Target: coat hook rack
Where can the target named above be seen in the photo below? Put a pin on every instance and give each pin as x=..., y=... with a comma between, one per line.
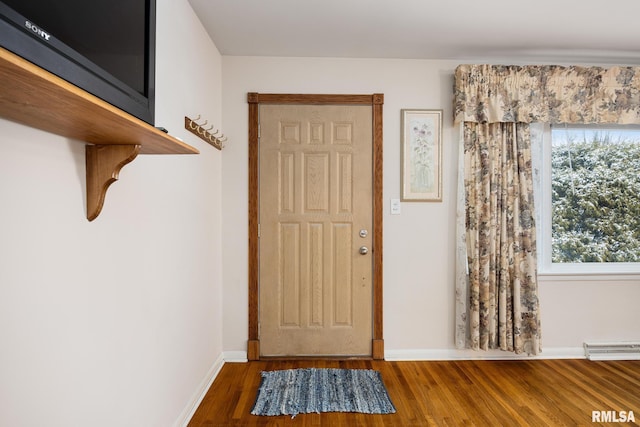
x=205, y=133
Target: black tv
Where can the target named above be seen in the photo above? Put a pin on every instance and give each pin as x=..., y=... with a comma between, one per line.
x=106, y=47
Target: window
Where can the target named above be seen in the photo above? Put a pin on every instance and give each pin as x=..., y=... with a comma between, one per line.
x=588, y=199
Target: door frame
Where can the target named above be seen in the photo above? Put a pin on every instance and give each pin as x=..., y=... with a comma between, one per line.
x=254, y=100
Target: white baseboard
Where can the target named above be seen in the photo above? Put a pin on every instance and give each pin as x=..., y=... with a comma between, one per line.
x=235, y=356
x=190, y=409
x=453, y=354
x=227, y=356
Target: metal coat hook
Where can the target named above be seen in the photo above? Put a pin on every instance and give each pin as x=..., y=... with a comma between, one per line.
x=192, y=123
x=206, y=135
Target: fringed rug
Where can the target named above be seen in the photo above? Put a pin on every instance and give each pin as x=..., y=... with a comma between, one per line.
x=294, y=391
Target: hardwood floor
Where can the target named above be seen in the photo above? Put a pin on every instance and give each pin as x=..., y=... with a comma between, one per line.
x=453, y=393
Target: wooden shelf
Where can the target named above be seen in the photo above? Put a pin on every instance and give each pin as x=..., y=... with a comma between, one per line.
x=37, y=98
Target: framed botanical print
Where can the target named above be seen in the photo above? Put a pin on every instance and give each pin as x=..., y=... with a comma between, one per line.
x=421, y=169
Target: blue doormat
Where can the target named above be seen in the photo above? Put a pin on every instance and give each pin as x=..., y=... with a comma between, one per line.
x=304, y=391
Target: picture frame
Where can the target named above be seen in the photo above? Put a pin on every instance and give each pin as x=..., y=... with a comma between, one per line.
x=421, y=155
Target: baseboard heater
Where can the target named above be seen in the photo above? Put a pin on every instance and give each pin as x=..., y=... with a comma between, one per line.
x=612, y=350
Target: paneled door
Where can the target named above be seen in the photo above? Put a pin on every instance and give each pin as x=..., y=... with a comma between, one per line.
x=315, y=230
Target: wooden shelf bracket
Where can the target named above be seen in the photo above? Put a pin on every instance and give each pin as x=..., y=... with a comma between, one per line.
x=103, y=167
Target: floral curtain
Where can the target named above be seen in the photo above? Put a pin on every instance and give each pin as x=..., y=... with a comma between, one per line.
x=546, y=94
x=500, y=238
x=496, y=280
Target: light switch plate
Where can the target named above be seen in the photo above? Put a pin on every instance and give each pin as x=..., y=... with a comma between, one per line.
x=395, y=207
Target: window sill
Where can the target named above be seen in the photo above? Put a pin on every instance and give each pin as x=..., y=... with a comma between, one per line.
x=567, y=276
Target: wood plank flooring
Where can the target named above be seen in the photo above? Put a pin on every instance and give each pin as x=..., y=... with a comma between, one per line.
x=452, y=393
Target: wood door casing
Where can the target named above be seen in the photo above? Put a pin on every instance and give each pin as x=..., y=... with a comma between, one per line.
x=255, y=100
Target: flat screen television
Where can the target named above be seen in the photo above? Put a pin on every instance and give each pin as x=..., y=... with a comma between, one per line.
x=106, y=47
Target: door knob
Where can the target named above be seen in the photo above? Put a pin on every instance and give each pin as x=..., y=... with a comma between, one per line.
x=364, y=250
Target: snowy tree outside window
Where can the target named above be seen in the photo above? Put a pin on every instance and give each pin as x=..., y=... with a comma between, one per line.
x=595, y=195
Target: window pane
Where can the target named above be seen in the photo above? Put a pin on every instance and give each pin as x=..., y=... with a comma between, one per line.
x=595, y=180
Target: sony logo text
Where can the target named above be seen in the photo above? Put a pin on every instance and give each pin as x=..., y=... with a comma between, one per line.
x=37, y=30
x=612, y=417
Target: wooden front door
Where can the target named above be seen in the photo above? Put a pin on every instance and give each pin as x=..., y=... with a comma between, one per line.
x=317, y=259
x=315, y=225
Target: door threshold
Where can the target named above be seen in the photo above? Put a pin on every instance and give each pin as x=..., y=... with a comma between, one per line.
x=312, y=358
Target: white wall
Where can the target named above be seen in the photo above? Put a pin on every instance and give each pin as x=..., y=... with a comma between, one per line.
x=116, y=322
x=418, y=244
